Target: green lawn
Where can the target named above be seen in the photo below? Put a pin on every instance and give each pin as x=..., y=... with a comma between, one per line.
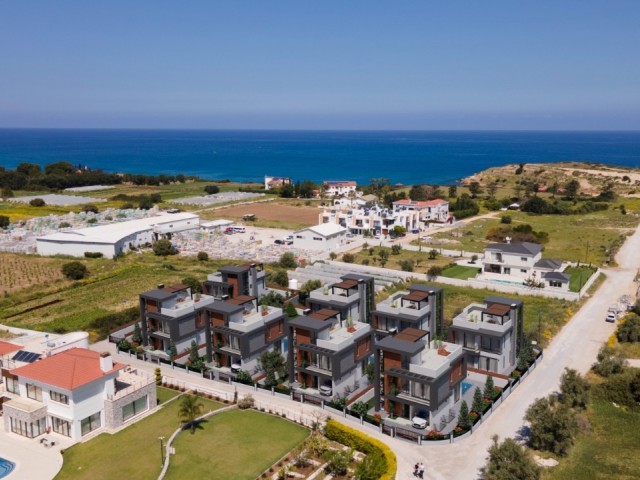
x=237, y=445
x=460, y=271
x=607, y=451
x=131, y=453
x=579, y=276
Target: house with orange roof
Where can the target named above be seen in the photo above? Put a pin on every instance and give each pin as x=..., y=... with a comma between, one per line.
x=430, y=211
x=73, y=394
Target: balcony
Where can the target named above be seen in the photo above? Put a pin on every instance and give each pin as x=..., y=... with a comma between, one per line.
x=435, y=361
x=340, y=338
x=395, y=306
x=472, y=318
x=130, y=380
x=341, y=297
x=186, y=305
x=253, y=319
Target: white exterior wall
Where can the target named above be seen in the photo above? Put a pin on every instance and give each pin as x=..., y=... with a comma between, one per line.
x=74, y=249
x=307, y=239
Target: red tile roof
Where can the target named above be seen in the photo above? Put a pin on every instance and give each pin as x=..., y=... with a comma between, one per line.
x=437, y=201
x=69, y=369
x=430, y=203
x=6, y=347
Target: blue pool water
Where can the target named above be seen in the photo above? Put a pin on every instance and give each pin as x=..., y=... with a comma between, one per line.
x=6, y=467
x=466, y=386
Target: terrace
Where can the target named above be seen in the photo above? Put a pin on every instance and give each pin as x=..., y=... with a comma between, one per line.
x=413, y=304
x=494, y=318
x=339, y=337
x=184, y=304
x=434, y=360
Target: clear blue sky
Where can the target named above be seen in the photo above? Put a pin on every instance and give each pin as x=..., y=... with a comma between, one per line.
x=545, y=64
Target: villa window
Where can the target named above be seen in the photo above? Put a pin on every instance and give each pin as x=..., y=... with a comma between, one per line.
x=89, y=424
x=12, y=385
x=29, y=430
x=523, y=259
x=61, y=426
x=34, y=392
x=234, y=343
x=420, y=390
x=555, y=283
x=59, y=397
x=134, y=408
x=523, y=270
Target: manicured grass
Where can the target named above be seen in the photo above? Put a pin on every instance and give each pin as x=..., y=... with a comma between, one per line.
x=607, y=451
x=166, y=394
x=131, y=453
x=579, y=276
x=460, y=271
x=239, y=444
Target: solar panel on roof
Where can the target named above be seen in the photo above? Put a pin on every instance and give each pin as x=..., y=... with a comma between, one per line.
x=27, y=357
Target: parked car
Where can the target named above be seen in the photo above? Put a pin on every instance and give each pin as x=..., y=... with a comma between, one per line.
x=288, y=240
x=611, y=317
x=278, y=241
x=326, y=389
x=415, y=230
x=420, y=420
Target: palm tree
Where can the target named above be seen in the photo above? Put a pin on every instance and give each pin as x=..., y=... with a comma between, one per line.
x=190, y=409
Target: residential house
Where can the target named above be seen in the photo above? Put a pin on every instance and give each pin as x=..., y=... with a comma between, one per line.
x=430, y=211
x=370, y=220
x=239, y=331
x=491, y=334
x=353, y=298
x=418, y=376
x=275, y=182
x=421, y=307
x=235, y=280
x=74, y=393
x=338, y=188
x=523, y=263
x=172, y=314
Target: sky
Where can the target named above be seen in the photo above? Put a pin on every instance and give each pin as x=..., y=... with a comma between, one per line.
x=420, y=65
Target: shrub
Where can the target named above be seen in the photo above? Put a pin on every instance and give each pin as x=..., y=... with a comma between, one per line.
x=433, y=254
x=362, y=443
x=396, y=249
x=211, y=189
x=4, y=221
x=203, y=256
x=158, y=374
x=629, y=329
x=93, y=254
x=64, y=225
x=505, y=219
x=434, y=271
x=244, y=377
x=163, y=248
x=509, y=460
x=37, y=202
x=337, y=461
x=89, y=208
x=348, y=258
x=463, y=416
x=406, y=265
x=74, y=270
x=124, y=345
x=553, y=425
x=574, y=389
x=290, y=310
x=246, y=402
x=609, y=362
x=280, y=278
x=288, y=260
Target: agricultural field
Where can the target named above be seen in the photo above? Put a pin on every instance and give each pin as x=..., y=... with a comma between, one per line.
x=112, y=286
x=18, y=272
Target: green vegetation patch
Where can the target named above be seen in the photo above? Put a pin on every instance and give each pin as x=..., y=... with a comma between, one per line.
x=239, y=444
x=579, y=276
x=459, y=271
x=131, y=453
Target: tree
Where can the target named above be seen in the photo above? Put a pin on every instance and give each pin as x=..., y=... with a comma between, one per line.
x=90, y=208
x=536, y=205
x=348, y=258
x=489, y=388
x=193, y=283
x=273, y=365
x=6, y=192
x=59, y=168
x=520, y=169
x=280, y=278
x=145, y=203
x=173, y=351
x=337, y=461
x=396, y=249
x=4, y=221
x=553, y=425
x=191, y=408
x=196, y=362
x=464, y=420
x=418, y=193
x=288, y=260
x=291, y=311
x=37, y=202
x=137, y=334
x=373, y=467
x=307, y=288
x=203, y=256
x=74, y=270
x=492, y=188
x=609, y=362
x=477, y=405
x=163, y=248
x=29, y=169
x=608, y=193
x=453, y=191
x=211, y=189
x=434, y=271
x=474, y=189
x=574, y=389
x=629, y=329
x=571, y=189
x=509, y=461
x=406, y=265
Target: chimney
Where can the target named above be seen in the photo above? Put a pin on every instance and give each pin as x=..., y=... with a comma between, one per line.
x=106, y=362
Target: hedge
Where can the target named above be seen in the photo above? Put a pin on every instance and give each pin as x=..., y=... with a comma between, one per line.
x=363, y=443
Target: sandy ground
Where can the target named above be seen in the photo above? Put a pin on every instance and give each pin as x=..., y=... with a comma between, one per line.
x=302, y=215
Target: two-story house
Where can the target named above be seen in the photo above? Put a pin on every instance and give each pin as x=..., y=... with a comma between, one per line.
x=232, y=281
x=337, y=188
x=353, y=297
x=420, y=307
x=173, y=314
x=417, y=376
x=239, y=331
x=491, y=334
x=74, y=393
x=370, y=220
x=520, y=262
x=436, y=210
x=328, y=352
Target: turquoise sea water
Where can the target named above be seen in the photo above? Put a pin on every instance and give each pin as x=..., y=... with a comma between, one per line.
x=404, y=157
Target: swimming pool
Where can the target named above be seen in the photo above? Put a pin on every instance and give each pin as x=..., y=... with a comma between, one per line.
x=6, y=467
x=466, y=386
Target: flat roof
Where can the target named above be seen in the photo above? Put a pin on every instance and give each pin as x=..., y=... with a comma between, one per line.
x=498, y=309
x=114, y=232
x=224, y=307
x=310, y=323
x=325, y=229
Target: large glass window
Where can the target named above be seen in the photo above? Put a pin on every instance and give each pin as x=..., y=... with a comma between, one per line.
x=420, y=390
x=61, y=426
x=27, y=429
x=90, y=423
x=34, y=392
x=12, y=385
x=134, y=408
x=59, y=397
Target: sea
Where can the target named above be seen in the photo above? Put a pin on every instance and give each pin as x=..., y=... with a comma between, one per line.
x=407, y=157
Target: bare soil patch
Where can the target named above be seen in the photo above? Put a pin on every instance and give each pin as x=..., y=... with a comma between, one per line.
x=302, y=214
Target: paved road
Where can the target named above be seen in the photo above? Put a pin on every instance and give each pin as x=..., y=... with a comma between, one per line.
x=576, y=346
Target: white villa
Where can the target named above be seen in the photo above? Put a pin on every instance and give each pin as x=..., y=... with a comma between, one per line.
x=374, y=220
x=430, y=211
x=74, y=393
x=522, y=262
x=325, y=236
x=337, y=188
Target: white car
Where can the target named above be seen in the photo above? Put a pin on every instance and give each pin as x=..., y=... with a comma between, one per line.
x=326, y=389
x=611, y=317
x=419, y=422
